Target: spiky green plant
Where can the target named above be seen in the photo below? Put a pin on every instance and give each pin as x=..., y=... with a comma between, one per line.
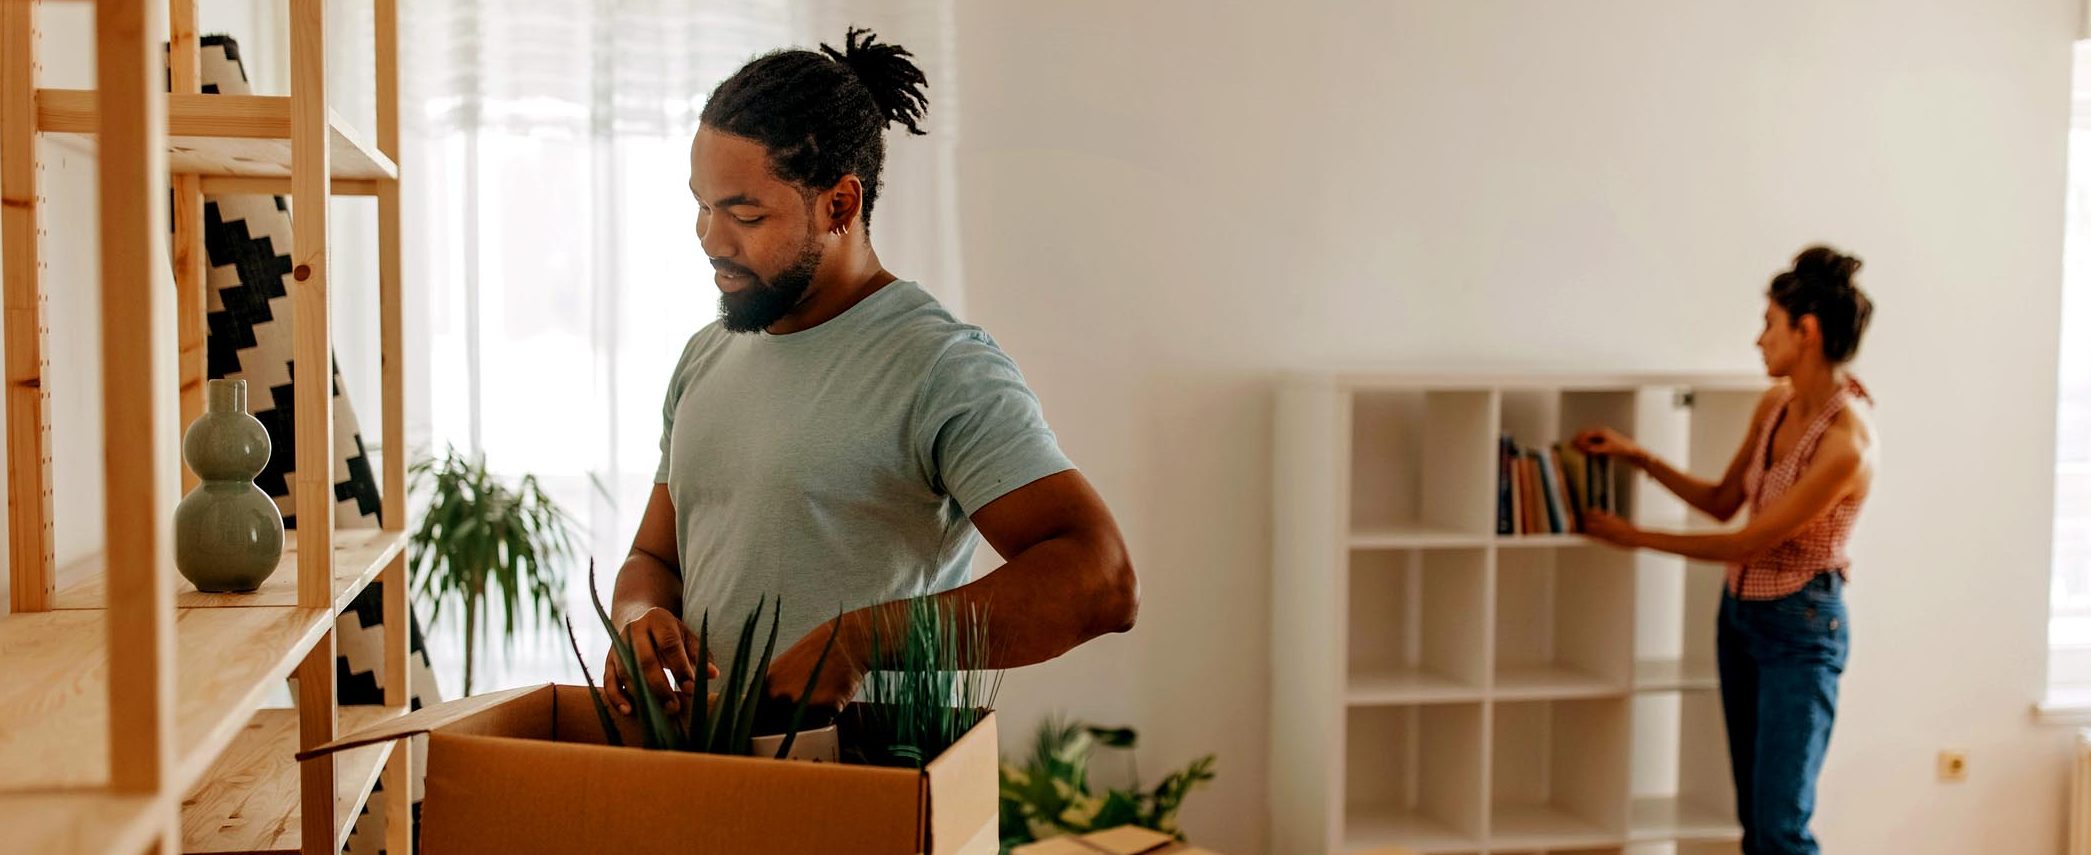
x=722, y=726
x=1048, y=795
x=483, y=542
x=929, y=683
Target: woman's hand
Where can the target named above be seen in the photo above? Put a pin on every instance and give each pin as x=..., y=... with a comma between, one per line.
x=1599, y=525
x=1610, y=443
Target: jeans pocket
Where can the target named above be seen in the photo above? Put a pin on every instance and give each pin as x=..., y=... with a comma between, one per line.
x=1804, y=613
x=1804, y=627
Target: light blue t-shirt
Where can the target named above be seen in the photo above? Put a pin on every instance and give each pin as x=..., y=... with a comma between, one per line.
x=836, y=467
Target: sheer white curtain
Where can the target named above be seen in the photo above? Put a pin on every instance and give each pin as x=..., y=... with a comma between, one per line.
x=549, y=223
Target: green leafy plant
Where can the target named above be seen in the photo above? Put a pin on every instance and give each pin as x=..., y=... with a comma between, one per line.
x=484, y=543
x=1048, y=794
x=929, y=684
x=722, y=725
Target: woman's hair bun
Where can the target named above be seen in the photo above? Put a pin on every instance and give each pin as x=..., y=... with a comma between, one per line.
x=1826, y=266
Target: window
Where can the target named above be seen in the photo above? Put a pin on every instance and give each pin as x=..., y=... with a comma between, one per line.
x=550, y=143
x=2069, y=623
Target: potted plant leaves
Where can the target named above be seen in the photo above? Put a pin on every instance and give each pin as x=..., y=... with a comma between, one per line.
x=1049, y=794
x=930, y=684
x=738, y=719
x=483, y=543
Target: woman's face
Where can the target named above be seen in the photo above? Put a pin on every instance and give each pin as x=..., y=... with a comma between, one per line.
x=1782, y=342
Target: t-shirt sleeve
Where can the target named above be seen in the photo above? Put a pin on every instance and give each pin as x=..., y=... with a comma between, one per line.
x=676, y=380
x=979, y=431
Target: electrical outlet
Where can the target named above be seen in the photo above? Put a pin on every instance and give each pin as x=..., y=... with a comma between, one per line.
x=1953, y=765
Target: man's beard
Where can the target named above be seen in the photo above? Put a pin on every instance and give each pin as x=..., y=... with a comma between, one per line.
x=764, y=303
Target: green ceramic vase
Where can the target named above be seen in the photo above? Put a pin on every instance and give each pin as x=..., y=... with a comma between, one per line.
x=228, y=534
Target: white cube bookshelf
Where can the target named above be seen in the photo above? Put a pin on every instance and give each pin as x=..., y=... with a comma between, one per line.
x=1441, y=688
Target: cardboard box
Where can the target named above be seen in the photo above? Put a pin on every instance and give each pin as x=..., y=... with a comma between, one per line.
x=1123, y=840
x=527, y=771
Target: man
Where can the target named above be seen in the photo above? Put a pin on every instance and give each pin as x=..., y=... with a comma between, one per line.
x=835, y=440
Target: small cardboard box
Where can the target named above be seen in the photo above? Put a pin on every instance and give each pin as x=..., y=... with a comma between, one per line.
x=527, y=771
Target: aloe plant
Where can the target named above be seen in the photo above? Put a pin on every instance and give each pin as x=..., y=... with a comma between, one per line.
x=483, y=542
x=930, y=683
x=722, y=726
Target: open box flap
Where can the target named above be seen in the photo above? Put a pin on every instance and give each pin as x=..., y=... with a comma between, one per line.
x=422, y=720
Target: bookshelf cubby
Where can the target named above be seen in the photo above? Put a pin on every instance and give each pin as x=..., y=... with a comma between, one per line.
x=1417, y=643
x=1558, y=773
x=1423, y=447
x=1558, y=632
x=1416, y=777
x=1442, y=688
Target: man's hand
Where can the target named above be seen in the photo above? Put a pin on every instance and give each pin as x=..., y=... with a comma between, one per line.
x=660, y=641
x=839, y=678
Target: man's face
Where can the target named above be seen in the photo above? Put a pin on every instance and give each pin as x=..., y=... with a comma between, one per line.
x=756, y=229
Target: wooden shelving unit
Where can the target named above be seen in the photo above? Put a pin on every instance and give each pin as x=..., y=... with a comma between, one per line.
x=243, y=805
x=130, y=712
x=1444, y=689
x=223, y=135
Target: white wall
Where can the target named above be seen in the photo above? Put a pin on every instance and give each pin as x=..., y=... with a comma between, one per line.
x=1167, y=203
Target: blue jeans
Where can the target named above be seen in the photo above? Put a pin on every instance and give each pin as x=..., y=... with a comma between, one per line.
x=1779, y=662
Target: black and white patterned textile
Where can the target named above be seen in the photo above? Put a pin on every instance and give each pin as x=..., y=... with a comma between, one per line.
x=248, y=239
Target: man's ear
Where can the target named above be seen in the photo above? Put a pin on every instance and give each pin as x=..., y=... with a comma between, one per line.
x=845, y=204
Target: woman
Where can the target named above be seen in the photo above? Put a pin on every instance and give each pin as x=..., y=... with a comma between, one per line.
x=1803, y=473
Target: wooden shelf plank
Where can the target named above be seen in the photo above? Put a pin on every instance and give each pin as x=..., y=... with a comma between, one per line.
x=1544, y=827
x=79, y=822
x=247, y=135
x=248, y=801
x=1551, y=682
x=359, y=555
x=1379, y=829
x=1673, y=675
x=1404, y=686
x=54, y=697
x=1667, y=819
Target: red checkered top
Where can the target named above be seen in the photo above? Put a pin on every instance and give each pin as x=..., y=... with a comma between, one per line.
x=1819, y=546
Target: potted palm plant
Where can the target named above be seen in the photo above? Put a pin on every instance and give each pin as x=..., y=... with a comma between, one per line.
x=484, y=544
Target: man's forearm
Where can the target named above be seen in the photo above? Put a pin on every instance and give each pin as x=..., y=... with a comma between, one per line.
x=1046, y=601
x=645, y=582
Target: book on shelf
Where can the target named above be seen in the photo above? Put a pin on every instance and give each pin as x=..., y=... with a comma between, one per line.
x=1506, y=497
x=1575, y=473
x=1571, y=516
x=1601, y=485
x=1535, y=504
x=1549, y=490
x=1549, y=484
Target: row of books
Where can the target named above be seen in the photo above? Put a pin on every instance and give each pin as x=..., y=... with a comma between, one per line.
x=1547, y=490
